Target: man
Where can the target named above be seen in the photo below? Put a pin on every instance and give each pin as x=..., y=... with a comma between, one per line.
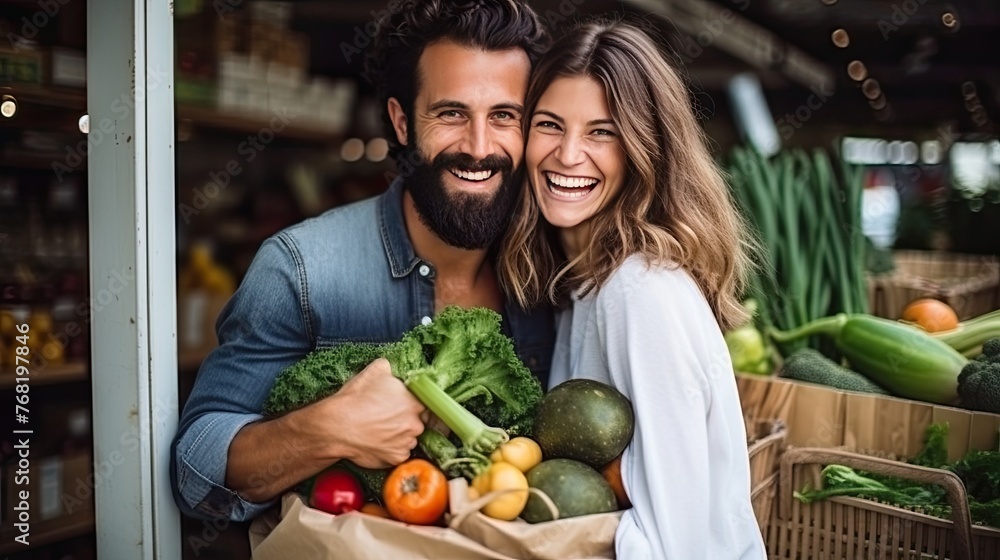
x=453, y=76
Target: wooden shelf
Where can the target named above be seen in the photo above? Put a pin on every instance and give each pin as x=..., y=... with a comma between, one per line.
x=300, y=127
x=48, y=96
x=64, y=373
x=191, y=359
x=48, y=533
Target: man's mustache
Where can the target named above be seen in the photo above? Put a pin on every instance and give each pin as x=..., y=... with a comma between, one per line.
x=492, y=162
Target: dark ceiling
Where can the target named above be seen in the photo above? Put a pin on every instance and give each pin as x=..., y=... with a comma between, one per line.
x=935, y=63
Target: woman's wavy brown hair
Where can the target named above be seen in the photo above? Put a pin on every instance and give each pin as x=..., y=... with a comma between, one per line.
x=674, y=208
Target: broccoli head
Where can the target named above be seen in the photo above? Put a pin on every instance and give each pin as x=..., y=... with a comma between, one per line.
x=979, y=381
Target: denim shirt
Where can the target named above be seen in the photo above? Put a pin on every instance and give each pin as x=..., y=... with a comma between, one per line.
x=349, y=274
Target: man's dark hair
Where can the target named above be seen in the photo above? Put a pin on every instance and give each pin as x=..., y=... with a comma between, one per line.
x=492, y=25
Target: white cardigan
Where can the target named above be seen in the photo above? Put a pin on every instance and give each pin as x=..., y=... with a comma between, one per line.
x=650, y=333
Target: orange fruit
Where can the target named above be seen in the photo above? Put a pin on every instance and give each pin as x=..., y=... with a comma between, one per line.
x=931, y=315
x=613, y=474
x=416, y=492
x=371, y=508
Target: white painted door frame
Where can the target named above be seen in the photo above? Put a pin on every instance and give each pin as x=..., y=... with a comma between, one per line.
x=130, y=101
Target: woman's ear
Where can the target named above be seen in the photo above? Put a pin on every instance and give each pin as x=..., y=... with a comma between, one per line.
x=398, y=118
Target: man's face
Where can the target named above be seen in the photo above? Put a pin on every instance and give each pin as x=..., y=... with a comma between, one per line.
x=465, y=131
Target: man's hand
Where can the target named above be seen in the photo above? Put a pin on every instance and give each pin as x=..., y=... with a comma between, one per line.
x=373, y=421
x=376, y=418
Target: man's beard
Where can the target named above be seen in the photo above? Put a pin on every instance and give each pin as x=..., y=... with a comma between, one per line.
x=462, y=219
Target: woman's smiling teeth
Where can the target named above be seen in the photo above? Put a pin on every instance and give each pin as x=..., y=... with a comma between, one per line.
x=472, y=175
x=570, y=187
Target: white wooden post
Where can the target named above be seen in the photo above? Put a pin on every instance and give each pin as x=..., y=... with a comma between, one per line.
x=130, y=100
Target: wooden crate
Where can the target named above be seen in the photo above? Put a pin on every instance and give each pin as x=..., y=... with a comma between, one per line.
x=970, y=284
x=857, y=528
x=820, y=416
x=767, y=442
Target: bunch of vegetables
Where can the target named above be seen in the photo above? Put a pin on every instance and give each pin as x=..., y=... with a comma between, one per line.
x=581, y=428
x=460, y=366
x=979, y=471
x=904, y=360
x=806, y=212
x=465, y=371
x=892, y=357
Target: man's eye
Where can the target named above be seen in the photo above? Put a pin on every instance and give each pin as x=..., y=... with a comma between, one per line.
x=450, y=114
x=504, y=115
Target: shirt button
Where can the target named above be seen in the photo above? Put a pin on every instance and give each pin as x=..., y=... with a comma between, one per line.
x=425, y=321
x=424, y=270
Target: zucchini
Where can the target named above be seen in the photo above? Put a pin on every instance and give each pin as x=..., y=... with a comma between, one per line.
x=908, y=362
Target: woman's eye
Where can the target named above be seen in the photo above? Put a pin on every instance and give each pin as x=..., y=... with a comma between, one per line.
x=547, y=124
x=603, y=132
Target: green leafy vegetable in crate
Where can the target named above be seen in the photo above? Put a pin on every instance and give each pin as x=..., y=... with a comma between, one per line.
x=979, y=471
x=839, y=480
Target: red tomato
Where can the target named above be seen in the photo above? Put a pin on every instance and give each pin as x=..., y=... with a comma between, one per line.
x=336, y=491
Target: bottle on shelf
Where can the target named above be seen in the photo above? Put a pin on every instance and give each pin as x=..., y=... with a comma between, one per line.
x=203, y=287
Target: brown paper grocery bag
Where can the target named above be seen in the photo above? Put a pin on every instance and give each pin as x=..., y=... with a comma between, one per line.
x=303, y=533
x=586, y=537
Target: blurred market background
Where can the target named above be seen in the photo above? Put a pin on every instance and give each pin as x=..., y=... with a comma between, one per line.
x=871, y=122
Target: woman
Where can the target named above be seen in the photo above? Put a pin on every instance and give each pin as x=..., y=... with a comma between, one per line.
x=627, y=226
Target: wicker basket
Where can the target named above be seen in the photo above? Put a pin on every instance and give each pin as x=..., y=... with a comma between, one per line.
x=856, y=528
x=970, y=284
x=769, y=438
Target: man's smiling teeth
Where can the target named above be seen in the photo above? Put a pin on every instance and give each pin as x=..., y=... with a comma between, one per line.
x=570, y=182
x=472, y=175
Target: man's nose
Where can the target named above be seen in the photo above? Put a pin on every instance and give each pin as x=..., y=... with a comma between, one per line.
x=478, y=140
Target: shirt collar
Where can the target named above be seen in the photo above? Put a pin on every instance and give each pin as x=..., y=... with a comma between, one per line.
x=395, y=238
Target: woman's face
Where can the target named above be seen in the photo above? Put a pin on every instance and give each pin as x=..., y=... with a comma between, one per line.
x=574, y=157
